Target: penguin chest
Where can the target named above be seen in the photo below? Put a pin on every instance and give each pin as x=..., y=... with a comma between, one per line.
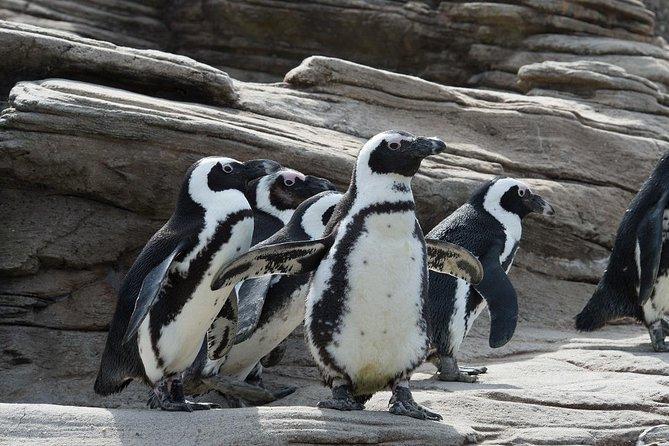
x=192, y=307
x=381, y=332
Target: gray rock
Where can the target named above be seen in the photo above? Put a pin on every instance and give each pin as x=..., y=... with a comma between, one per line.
x=30, y=52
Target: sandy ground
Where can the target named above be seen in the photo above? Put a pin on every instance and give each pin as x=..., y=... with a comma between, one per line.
x=604, y=388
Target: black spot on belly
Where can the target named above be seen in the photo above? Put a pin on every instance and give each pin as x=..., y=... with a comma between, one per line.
x=327, y=312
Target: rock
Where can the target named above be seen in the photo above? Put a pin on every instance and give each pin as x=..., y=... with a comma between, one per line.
x=542, y=397
x=30, y=52
x=594, y=82
x=258, y=426
x=136, y=23
x=458, y=43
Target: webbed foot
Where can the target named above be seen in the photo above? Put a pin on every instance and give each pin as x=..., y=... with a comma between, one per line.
x=342, y=399
x=402, y=403
x=657, y=334
x=449, y=371
x=168, y=395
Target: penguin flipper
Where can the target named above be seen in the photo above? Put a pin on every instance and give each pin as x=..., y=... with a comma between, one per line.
x=151, y=286
x=497, y=290
x=283, y=258
x=251, y=297
x=454, y=260
x=221, y=333
x=649, y=238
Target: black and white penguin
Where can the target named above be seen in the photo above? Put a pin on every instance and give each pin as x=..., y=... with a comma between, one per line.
x=489, y=225
x=282, y=307
x=636, y=280
x=274, y=199
x=165, y=302
x=364, y=316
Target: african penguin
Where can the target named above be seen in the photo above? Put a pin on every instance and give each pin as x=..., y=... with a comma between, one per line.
x=165, y=303
x=274, y=199
x=282, y=308
x=489, y=226
x=364, y=316
x=636, y=280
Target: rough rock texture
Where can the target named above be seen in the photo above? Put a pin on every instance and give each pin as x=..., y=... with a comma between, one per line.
x=95, y=137
x=136, y=23
x=456, y=42
x=30, y=52
x=602, y=389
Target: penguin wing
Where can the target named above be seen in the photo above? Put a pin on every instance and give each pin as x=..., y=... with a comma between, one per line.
x=151, y=285
x=649, y=238
x=282, y=258
x=454, y=260
x=251, y=296
x=497, y=290
x=221, y=333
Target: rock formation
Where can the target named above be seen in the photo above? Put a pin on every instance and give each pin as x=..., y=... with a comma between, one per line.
x=99, y=126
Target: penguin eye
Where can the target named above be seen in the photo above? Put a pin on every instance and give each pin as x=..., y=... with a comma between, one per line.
x=227, y=168
x=394, y=145
x=288, y=182
x=521, y=192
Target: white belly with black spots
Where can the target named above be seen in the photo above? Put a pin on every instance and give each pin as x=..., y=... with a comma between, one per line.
x=241, y=359
x=181, y=338
x=381, y=332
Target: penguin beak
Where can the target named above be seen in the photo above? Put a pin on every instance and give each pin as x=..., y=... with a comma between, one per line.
x=260, y=167
x=537, y=204
x=316, y=184
x=423, y=147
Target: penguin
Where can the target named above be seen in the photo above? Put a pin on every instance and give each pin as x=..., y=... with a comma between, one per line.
x=165, y=303
x=636, y=280
x=282, y=307
x=274, y=198
x=364, y=318
x=489, y=225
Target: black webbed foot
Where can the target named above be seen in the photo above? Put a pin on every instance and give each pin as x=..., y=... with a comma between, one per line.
x=342, y=399
x=169, y=395
x=657, y=334
x=402, y=403
x=449, y=371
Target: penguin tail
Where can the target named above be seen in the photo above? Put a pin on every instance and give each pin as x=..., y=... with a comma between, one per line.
x=604, y=305
x=105, y=385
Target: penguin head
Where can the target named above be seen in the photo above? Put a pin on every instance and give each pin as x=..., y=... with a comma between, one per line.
x=396, y=152
x=513, y=196
x=284, y=190
x=209, y=177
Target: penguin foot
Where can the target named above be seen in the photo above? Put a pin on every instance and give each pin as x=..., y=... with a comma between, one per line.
x=169, y=395
x=657, y=334
x=474, y=370
x=451, y=372
x=402, y=403
x=342, y=399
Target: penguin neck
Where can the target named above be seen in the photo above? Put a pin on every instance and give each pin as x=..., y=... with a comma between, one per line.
x=370, y=187
x=510, y=221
